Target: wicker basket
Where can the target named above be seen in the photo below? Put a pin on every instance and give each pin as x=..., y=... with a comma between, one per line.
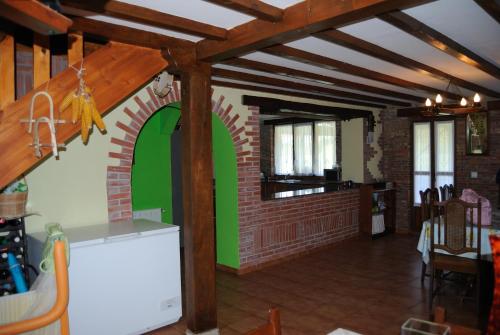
x=13, y=205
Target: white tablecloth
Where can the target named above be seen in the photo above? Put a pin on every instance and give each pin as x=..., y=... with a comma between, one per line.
x=341, y=331
x=378, y=223
x=424, y=242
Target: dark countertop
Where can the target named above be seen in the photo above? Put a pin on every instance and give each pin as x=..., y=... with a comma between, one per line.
x=303, y=188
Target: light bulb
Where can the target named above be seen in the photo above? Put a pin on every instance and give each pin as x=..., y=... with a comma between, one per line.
x=477, y=98
x=439, y=99
x=463, y=102
x=428, y=102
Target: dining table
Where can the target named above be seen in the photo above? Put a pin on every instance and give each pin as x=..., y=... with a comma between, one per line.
x=424, y=241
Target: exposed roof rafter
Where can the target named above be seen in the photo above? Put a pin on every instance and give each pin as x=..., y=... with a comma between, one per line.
x=300, y=94
x=35, y=16
x=438, y=40
x=336, y=65
x=218, y=72
x=259, y=9
x=297, y=74
x=148, y=16
x=128, y=35
x=354, y=43
x=492, y=7
x=299, y=21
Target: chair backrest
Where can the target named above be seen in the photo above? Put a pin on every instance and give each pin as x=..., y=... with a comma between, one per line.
x=427, y=197
x=447, y=192
x=272, y=327
x=456, y=232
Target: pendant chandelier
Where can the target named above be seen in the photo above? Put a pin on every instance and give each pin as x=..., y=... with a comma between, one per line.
x=467, y=105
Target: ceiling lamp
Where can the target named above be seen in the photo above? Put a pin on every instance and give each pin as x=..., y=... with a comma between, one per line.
x=470, y=105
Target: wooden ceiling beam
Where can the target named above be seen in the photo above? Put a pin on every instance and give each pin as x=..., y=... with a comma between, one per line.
x=492, y=7
x=296, y=85
x=336, y=65
x=257, y=8
x=128, y=35
x=357, y=44
x=298, y=74
x=274, y=106
x=280, y=83
x=298, y=21
x=440, y=41
x=494, y=105
x=150, y=17
x=248, y=87
x=35, y=16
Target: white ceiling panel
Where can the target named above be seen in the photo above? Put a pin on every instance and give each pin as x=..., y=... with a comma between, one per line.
x=197, y=10
x=465, y=22
x=389, y=37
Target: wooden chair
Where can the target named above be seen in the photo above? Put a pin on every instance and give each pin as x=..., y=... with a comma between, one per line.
x=456, y=234
x=447, y=192
x=272, y=327
x=440, y=317
x=427, y=197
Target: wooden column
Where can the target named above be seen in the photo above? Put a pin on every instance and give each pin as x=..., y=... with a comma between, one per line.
x=41, y=59
x=7, y=76
x=75, y=48
x=197, y=180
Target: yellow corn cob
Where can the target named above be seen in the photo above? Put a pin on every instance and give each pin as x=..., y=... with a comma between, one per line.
x=84, y=131
x=75, y=109
x=81, y=105
x=68, y=99
x=87, y=113
x=96, y=116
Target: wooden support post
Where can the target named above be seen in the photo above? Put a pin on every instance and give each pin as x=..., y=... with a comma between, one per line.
x=7, y=76
x=197, y=180
x=41, y=59
x=75, y=48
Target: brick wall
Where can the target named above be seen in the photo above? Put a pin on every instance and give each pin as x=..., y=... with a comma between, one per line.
x=396, y=164
x=266, y=149
x=271, y=230
x=486, y=166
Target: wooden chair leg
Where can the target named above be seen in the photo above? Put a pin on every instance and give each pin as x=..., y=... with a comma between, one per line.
x=424, y=269
x=478, y=294
x=431, y=290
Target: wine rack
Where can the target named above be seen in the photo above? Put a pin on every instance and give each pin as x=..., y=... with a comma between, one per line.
x=12, y=240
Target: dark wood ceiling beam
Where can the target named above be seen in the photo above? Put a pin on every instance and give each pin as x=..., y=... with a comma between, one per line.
x=150, y=17
x=492, y=7
x=259, y=9
x=273, y=106
x=298, y=74
x=440, y=41
x=296, y=85
x=494, y=105
x=35, y=16
x=336, y=65
x=354, y=43
x=298, y=21
x=128, y=35
x=248, y=87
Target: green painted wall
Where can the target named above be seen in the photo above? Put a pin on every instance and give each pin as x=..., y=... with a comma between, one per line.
x=226, y=195
x=152, y=179
x=151, y=173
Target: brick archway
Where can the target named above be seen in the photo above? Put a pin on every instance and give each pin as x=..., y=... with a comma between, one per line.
x=118, y=182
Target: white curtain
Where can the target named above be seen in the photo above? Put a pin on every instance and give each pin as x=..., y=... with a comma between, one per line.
x=283, y=149
x=421, y=159
x=444, y=155
x=325, y=151
x=302, y=137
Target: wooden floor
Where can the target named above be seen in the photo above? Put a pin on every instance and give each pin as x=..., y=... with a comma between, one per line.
x=370, y=287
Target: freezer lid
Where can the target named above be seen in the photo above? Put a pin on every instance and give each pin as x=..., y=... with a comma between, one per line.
x=100, y=233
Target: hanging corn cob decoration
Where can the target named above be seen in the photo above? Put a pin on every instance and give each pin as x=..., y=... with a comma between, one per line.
x=83, y=107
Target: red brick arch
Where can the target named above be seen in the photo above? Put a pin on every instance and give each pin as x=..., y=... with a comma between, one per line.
x=119, y=176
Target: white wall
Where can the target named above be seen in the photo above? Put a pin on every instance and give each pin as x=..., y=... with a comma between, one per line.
x=72, y=189
x=352, y=150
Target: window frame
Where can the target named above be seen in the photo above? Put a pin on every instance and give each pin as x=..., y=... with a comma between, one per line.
x=313, y=132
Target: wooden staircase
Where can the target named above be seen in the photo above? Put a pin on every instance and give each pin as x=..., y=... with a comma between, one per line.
x=113, y=72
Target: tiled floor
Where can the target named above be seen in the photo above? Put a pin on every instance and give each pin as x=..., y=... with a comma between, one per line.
x=370, y=287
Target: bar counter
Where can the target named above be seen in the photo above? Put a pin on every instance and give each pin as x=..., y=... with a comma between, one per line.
x=289, y=188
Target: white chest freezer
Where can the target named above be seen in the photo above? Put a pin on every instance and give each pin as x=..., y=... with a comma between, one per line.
x=124, y=277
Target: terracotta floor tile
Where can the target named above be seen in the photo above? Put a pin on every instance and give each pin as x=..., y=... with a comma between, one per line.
x=370, y=287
